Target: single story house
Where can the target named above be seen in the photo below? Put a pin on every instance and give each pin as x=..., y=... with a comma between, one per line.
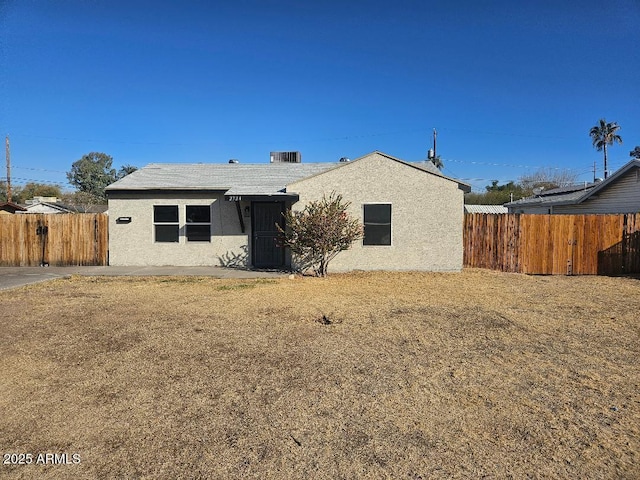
x=619, y=193
x=11, y=208
x=46, y=207
x=226, y=214
x=52, y=205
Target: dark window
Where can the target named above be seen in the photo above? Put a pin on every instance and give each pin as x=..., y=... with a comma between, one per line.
x=198, y=214
x=198, y=223
x=165, y=214
x=165, y=219
x=198, y=233
x=167, y=233
x=377, y=224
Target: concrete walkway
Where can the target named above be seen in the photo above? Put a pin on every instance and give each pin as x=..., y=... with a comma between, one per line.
x=12, y=277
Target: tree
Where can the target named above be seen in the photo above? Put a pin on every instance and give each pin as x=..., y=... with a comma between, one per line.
x=32, y=189
x=92, y=173
x=544, y=178
x=635, y=153
x=547, y=178
x=125, y=170
x=498, y=194
x=604, y=134
x=20, y=194
x=319, y=232
x=437, y=162
x=15, y=195
x=81, y=202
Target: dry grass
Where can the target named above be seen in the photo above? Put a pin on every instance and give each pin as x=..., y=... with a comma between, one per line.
x=478, y=374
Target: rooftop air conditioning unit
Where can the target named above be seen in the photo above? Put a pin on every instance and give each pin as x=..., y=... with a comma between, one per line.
x=286, y=157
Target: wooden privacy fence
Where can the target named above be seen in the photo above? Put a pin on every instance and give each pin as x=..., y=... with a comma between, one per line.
x=553, y=244
x=54, y=239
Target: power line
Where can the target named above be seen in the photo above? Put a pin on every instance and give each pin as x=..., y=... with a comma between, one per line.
x=492, y=164
x=32, y=180
x=323, y=139
x=508, y=134
x=38, y=169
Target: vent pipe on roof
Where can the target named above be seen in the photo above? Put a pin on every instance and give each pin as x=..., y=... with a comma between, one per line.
x=344, y=159
x=234, y=160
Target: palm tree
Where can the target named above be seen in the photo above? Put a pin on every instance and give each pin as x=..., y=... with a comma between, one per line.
x=604, y=134
x=437, y=162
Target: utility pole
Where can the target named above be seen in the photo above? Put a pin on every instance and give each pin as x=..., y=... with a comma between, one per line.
x=431, y=154
x=435, y=134
x=8, y=170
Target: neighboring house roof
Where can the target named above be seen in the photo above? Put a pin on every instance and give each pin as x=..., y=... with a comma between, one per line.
x=47, y=207
x=493, y=209
x=11, y=207
x=235, y=179
x=572, y=195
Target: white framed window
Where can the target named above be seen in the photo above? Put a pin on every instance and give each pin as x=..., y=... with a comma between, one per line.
x=377, y=224
x=166, y=225
x=198, y=228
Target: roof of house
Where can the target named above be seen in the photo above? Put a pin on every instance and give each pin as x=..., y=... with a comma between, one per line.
x=11, y=207
x=572, y=195
x=485, y=209
x=235, y=179
x=57, y=207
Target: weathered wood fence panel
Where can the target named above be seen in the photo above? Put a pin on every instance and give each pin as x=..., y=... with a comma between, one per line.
x=60, y=239
x=553, y=244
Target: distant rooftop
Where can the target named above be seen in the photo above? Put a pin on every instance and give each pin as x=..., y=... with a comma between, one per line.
x=493, y=209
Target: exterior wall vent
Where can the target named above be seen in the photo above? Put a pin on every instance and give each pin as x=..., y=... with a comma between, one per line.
x=286, y=157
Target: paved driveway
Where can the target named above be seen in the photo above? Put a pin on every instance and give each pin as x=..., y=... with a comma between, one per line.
x=12, y=277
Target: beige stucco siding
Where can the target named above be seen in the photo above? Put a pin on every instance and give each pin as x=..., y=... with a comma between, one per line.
x=427, y=214
x=133, y=243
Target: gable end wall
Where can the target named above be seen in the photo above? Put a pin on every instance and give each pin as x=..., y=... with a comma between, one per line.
x=427, y=214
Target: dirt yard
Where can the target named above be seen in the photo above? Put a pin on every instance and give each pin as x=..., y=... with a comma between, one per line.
x=381, y=375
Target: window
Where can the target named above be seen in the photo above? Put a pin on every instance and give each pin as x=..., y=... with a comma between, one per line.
x=165, y=220
x=198, y=223
x=377, y=224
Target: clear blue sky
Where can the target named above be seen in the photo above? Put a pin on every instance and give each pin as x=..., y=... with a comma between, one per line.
x=511, y=86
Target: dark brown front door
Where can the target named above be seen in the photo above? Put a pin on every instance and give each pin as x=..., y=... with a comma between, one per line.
x=265, y=249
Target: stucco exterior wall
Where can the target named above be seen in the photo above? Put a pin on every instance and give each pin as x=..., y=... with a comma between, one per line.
x=133, y=243
x=426, y=217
